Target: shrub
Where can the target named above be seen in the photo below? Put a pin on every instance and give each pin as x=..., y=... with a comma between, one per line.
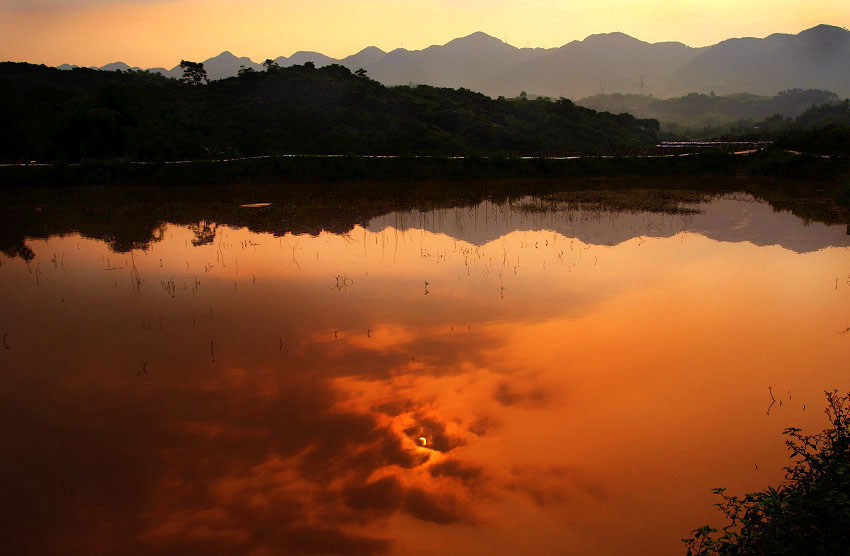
x=809, y=514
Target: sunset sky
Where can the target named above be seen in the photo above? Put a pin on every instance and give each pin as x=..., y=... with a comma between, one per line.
x=150, y=33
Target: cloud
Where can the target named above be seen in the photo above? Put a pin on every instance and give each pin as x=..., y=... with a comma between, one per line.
x=507, y=395
x=554, y=485
x=208, y=470
x=435, y=434
x=382, y=497
x=482, y=424
x=325, y=540
x=436, y=508
x=466, y=473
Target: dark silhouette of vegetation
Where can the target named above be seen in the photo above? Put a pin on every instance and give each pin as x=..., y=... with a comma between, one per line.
x=193, y=73
x=811, y=121
x=695, y=113
x=53, y=116
x=823, y=129
x=807, y=514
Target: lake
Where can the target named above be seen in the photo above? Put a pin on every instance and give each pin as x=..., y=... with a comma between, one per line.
x=560, y=375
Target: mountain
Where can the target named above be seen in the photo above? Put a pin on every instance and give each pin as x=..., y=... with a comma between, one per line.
x=599, y=63
x=303, y=56
x=478, y=62
x=363, y=59
x=817, y=58
x=225, y=65
x=115, y=66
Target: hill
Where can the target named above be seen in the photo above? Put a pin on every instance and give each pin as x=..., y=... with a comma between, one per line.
x=700, y=110
x=814, y=58
x=55, y=115
x=609, y=62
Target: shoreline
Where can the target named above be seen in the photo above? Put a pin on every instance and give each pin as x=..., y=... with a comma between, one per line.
x=302, y=169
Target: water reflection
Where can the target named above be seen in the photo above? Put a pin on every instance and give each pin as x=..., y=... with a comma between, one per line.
x=574, y=381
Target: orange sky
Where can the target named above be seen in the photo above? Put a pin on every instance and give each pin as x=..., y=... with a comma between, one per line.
x=152, y=33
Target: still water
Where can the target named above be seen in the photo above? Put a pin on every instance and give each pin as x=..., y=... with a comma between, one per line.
x=503, y=378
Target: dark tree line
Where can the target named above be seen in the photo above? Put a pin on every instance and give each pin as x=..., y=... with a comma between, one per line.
x=83, y=114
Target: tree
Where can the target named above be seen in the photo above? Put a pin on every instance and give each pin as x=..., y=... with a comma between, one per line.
x=271, y=66
x=193, y=72
x=809, y=514
x=245, y=71
x=360, y=73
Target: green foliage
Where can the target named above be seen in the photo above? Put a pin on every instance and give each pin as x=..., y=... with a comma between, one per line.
x=820, y=129
x=837, y=114
x=52, y=115
x=697, y=113
x=808, y=514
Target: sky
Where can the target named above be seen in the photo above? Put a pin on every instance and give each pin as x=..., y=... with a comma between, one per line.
x=151, y=33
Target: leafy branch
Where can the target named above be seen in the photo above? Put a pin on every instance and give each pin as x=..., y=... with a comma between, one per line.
x=809, y=513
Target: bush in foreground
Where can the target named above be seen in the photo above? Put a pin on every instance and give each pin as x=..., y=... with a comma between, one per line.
x=808, y=514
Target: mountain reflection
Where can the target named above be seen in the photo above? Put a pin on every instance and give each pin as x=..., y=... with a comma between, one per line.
x=132, y=218
x=570, y=372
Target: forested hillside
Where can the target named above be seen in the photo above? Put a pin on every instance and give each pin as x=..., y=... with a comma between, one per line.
x=54, y=115
x=698, y=110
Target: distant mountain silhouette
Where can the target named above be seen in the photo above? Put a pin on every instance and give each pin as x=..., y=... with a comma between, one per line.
x=320, y=60
x=224, y=65
x=610, y=62
x=363, y=59
x=117, y=66
x=478, y=62
x=817, y=58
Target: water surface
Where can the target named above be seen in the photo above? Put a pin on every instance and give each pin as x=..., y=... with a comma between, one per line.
x=502, y=378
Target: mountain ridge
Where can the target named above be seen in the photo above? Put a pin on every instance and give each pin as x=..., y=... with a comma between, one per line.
x=818, y=57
